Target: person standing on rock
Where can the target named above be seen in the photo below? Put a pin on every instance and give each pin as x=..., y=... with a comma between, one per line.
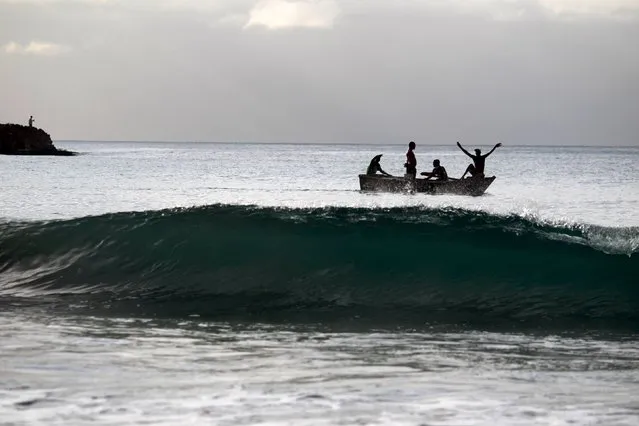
x=31, y=121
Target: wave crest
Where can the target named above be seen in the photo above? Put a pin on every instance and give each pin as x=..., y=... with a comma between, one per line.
x=219, y=260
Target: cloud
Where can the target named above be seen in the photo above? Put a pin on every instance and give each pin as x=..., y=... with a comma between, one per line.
x=277, y=14
x=499, y=10
x=503, y=10
x=511, y=10
x=589, y=7
x=35, y=48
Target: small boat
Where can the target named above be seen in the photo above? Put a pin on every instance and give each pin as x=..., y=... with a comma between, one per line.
x=474, y=186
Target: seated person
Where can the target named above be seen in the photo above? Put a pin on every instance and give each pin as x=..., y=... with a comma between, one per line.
x=374, y=166
x=438, y=172
x=479, y=161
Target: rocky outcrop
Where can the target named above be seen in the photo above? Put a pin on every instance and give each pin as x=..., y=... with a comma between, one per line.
x=24, y=140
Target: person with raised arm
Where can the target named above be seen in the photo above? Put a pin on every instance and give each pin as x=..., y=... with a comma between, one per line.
x=479, y=161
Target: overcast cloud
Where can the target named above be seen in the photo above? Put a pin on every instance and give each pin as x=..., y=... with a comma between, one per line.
x=433, y=71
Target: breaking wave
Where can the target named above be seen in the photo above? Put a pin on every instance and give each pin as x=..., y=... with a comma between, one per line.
x=393, y=265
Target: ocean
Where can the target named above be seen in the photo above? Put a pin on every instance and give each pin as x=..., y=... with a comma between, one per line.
x=255, y=284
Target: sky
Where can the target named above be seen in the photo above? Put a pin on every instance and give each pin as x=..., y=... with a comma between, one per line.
x=521, y=72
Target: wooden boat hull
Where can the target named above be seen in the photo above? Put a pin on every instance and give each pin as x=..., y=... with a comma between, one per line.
x=381, y=183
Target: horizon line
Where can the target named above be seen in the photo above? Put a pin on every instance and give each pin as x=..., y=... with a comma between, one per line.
x=327, y=143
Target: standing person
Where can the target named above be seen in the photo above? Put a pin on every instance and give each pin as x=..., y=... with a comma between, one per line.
x=31, y=121
x=477, y=169
x=411, y=161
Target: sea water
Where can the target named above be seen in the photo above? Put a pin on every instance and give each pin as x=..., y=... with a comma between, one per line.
x=186, y=283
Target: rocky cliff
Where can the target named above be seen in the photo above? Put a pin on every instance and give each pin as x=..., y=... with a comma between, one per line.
x=23, y=140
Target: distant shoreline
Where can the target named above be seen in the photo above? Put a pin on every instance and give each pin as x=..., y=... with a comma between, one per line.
x=16, y=139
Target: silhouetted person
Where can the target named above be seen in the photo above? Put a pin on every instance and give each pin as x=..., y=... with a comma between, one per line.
x=411, y=161
x=477, y=169
x=31, y=121
x=375, y=167
x=438, y=172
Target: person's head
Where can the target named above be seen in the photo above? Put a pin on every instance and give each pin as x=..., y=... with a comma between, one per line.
x=478, y=152
x=435, y=163
x=411, y=145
